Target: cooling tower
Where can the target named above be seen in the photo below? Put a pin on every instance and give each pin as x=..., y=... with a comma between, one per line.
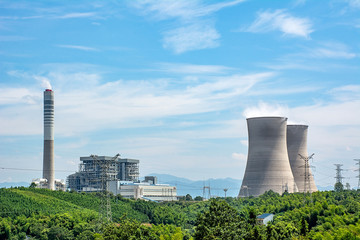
x=297, y=144
x=48, y=160
x=267, y=166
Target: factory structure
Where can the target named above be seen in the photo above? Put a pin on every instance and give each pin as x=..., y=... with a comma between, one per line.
x=48, y=179
x=275, y=160
x=122, y=177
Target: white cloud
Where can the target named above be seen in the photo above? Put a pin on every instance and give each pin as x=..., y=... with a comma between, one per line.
x=77, y=15
x=184, y=10
x=330, y=50
x=239, y=156
x=16, y=96
x=281, y=20
x=354, y=3
x=193, y=37
x=83, y=103
x=192, y=68
x=192, y=18
x=78, y=47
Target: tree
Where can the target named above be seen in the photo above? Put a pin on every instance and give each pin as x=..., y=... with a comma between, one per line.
x=338, y=187
x=188, y=197
x=221, y=221
x=198, y=198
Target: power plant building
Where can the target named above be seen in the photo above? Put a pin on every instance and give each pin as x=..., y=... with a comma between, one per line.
x=88, y=179
x=147, y=190
x=122, y=175
x=268, y=166
x=297, y=147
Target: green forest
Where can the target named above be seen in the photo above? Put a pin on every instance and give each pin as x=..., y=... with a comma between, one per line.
x=31, y=213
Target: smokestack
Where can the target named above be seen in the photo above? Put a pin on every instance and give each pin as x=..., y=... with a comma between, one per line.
x=267, y=166
x=48, y=160
x=297, y=144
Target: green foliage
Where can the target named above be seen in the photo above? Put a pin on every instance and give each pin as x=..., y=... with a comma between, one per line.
x=221, y=221
x=339, y=187
x=42, y=214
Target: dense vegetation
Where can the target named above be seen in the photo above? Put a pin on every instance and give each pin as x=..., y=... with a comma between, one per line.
x=30, y=213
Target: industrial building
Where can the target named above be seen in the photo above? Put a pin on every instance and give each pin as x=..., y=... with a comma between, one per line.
x=42, y=183
x=268, y=166
x=147, y=190
x=297, y=150
x=121, y=177
x=89, y=177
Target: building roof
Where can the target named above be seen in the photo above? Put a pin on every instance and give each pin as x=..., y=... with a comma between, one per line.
x=107, y=158
x=265, y=215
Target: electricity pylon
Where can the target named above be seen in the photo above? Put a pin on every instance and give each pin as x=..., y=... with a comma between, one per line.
x=307, y=174
x=338, y=176
x=358, y=170
x=105, y=213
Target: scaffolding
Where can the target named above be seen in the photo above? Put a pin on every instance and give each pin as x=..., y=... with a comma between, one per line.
x=90, y=174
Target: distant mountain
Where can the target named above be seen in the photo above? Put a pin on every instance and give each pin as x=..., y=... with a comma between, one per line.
x=14, y=184
x=196, y=188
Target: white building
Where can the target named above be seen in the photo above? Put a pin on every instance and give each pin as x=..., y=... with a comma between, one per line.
x=144, y=190
x=43, y=183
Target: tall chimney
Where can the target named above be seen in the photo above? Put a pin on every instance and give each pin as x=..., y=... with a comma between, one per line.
x=267, y=166
x=48, y=160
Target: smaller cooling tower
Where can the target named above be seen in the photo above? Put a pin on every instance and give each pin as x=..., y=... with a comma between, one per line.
x=267, y=166
x=297, y=144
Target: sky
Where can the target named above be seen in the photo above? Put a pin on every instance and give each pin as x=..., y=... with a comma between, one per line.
x=171, y=83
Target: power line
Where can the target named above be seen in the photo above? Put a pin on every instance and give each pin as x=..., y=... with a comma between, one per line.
x=32, y=169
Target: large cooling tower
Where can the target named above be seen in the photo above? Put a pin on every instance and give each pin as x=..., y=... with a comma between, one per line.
x=297, y=144
x=48, y=160
x=267, y=166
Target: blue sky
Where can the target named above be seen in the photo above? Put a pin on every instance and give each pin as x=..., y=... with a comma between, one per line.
x=171, y=82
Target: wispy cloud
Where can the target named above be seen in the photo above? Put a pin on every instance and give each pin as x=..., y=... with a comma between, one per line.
x=76, y=15
x=195, y=31
x=184, y=10
x=147, y=99
x=14, y=38
x=331, y=50
x=78, y=47
x=191, y=68
x=354, y=3
x=193, y=37
x=281, y=20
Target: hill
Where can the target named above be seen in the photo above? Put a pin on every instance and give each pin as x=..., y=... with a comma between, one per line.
x=195, y=188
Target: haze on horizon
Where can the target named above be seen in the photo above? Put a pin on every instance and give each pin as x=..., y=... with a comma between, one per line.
x=171, y=83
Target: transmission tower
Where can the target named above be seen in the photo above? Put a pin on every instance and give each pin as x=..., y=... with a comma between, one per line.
x=307, y=173
x=358, y=170
x=338, y=176
x=104, y=166
x=204, y=192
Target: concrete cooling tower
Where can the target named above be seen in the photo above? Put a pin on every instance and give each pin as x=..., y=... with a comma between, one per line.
x=297, y=144
x=48, y=160
x=267, y=166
